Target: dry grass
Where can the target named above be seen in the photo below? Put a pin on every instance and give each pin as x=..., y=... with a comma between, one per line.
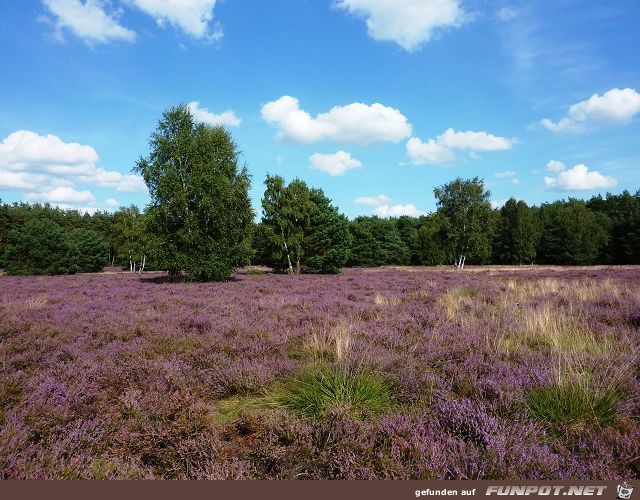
x=332, y=344
x=554, y=329
x=36, y=302
x=454, y=300
x=585, y=290
x=382, y=300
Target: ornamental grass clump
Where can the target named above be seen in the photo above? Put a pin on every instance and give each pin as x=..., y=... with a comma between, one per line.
x=575, y=400
x=323, y=387
x=573, y=405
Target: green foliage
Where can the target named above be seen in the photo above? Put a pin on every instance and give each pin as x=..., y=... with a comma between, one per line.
x=573, y=404
x=517, y=233
x=200, y=213
x=88, y=250
x=430, y=244
x=40, y=246
x=571, y=234
x=377, y=242
x=620, y=215
x=286, y=221
x=323, y=388
x=301, y=230
x=328, y=244
x=464, y=207
x=255, y=272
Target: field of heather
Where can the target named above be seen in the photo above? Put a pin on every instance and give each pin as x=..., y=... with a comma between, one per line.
x=377, y=373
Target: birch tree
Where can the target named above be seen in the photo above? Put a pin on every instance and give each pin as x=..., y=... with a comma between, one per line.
x=466, y=211
x=200, y=213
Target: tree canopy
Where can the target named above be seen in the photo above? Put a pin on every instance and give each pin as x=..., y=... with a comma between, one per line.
x=466, y=211
x=200, y=214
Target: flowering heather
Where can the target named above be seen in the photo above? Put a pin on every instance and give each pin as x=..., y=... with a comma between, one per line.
x=123, y=376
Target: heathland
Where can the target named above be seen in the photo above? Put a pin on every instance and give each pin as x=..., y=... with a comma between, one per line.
x=396, y=372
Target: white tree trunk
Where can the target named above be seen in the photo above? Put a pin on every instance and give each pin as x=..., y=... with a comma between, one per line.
x=144, y=261
x=286, y=249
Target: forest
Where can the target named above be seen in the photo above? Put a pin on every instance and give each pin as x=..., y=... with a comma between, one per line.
x=41, y=239
x=200, y=223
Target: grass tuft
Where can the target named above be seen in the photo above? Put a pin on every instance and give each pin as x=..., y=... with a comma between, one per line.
x=574, y=405
x=323, y=388
x=254, y=272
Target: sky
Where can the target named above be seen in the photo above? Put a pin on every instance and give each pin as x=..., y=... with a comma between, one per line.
x=374, y=101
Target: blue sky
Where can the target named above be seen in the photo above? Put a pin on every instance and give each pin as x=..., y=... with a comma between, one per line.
x=375, y=101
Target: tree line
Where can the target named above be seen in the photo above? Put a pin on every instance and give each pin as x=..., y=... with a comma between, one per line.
x=200, y=223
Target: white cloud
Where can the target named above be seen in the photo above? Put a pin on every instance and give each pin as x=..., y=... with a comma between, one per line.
x=579, y=178
x=397, y=210
x=507, y=14
x=79, y=208
x=46, y=169
x=227, y=118
x=192, y=16
x=498, y=203
x=506, y=174
x=373, y=201
x=515, y=181
x=431, y=152
x=383, y=207
x=555, y=166
x=354, y=123
x=24, y=150
x=334, y=164
x=24, y=181
x=124, y=183
x=409, y=23
x=88, y=20
x=112, y=202
x=441, y=150
x=616, y=106
x=62, y=194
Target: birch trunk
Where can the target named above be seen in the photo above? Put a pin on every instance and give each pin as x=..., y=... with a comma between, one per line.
x=286, y=249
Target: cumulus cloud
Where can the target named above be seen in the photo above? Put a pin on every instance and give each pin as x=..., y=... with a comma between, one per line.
x=383, y=207
x=410, y=23
x=192, y=16
x=334, y=164
x=227, y=118
x=46, y=169
x=498, y=203
x=112, y=203
x=373, y=201
x=397, y=210
x=354, y=123
x=579, y=178
x=63, y=194
x=46, y=159
x=441, y=150
x=26, y=150
x=555, y=166
x=88, y=20
x=616, y=106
